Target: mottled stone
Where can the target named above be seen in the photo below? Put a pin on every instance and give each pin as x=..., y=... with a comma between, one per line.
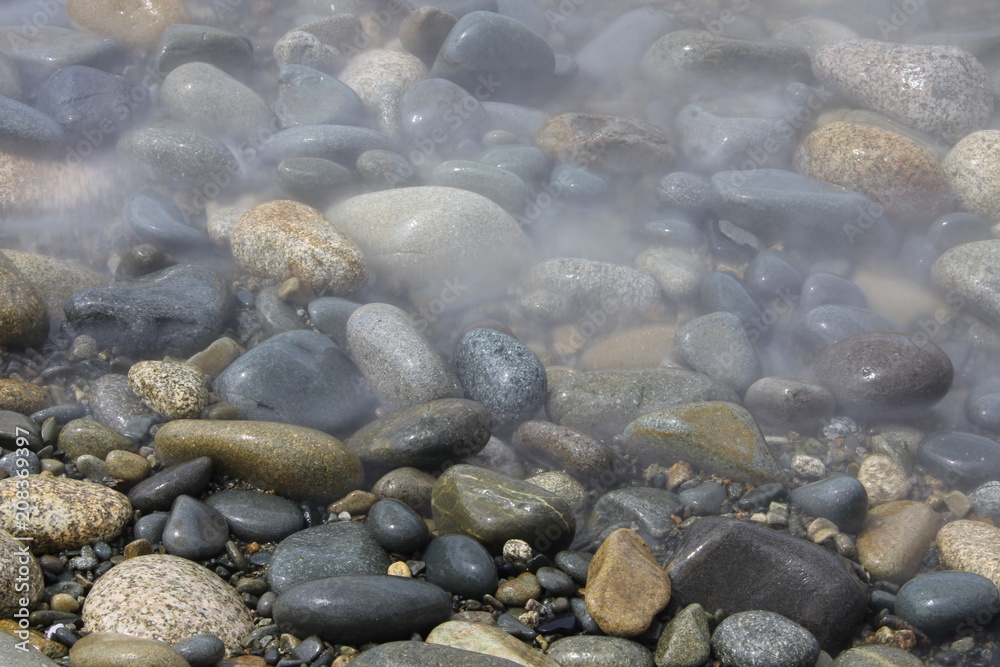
x=684, y=642
x=966, y=272
x=380, y=77
x=167, y=598
x=127, y=466
x=941, y=90
x=18, y=567
x=109, y=649
x=891, y=169
x=876, y=656
x=971, y=546
x=87, y=436
x=174, y=389
x=284, y=239
x=408, y=485
x=205, y=97
x=179, y=156
x=577, y=453
x=585, y=650
x=61, y=513
x=136, y=25
x=896, y=538
x=494, y=508
x=715, y=436
x=972, y=166
x=626, y=586
x=752, y=638
x=23, y=317
x=295, y=461
x=418, y=654
x=884, y=479
x=424, y=30
x=309, y=97
x=54, y=279
x=780, y=404
x=298, y=47
x=718, y=346
x=606, y=143
x=23, y=397
x=490, y=640
x=641, y=347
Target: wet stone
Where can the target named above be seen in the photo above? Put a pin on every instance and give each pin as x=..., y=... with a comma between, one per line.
x=723, y=293
x=127, y=466
x=22, y=310
x=315, y=181
x=113, y=649
x=491, y=640
x=183, y=43
x=965, y=460
x=718, y=346
x=414, y=654
x=648, y=508
x=715, y=137
x=751, y=638
x=328, y=550
x=442, y=112
x=970, y=546
x=159, y=491
x=194, y=530
x=29, y=582
x=985, y=500
x=498, y=185
x=156, y=219
x=876, y=656
x=964, y=273
x=87, y=436
x=24, y=129
x=577, y=453
x=202, y=650
x=309, y=97
x=705, y=499
x=939, y=603
x=843, y=500
x=173, y=389
x=821, y=288
x=408, y=485
x=298, y=47
x=780, y=403
x=82, y=100
x=895, y=539
x=256, y=517
x=461, y=566
x=527, y=162
x=397, y=526
x=606, y=143
x=424, y=31
x=339, y=143
x=576, y=185
x=179, y=156
x=581, y=650
x=821, y=327
x=684, y=641
x=384, y=170
x=206, y=98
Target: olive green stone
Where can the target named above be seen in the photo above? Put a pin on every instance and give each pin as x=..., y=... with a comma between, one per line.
x=715, y=437
x=23, y=319
x=587, y=650
x=876, y=656
x=294, y=461
x=23, y=397
x=493, y=508
x=86, y=436
x=685, y=641
x=424, y=435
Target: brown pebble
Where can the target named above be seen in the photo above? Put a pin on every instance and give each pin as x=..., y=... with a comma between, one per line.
x=356, y=502
x=137, y=548
x=23, y=397
x=423, y=32
x=606, y=143
x=679, y=473
x=399, y=569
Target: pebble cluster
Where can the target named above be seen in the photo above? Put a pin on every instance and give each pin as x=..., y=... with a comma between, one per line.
x=499, y=332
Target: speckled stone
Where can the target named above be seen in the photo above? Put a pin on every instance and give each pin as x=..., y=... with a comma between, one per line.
x=576, y=452
x=684, y=642
x=780, y=403
x=136, y=25
x=967, y=273
x=109, y=649
x=454, y=242
x=298, y=47
x=626, y=586
x=23, y=397
x=876, y=656
x=380, y=78
x=416, y=654
x=23, y=317
x=758, y=638
x=718, y=346
x=502, y=374
x=283, y=239
x=896, y=538
x=206, y=98
x=54, y=279
x=971, y=546
x=489, y=640
x=167, y=598
x=602, y=403
x=18, y=567
x=884, y=479
x=179, y=156
x=493, y=508
x=62, y=513
x=940, y=90
x=174, y=389
x=295, y=461
x=889, y=168
x=973, y=166
x=87, y=436
x=606, y=143
x=716, y=437
x=586, y=650
x=401, y=366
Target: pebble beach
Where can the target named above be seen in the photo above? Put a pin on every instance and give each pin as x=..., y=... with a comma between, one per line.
x=553, y=333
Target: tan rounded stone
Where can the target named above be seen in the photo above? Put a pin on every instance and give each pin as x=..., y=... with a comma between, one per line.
x=15, y=554
x=884, y=479
x=971, y=546
x=55, y=279
x=973, y=167
x=23, y=397
x=127, y=466
x=895, y=539
x=109, y=649
x=24, y=322
x=887, y=167
x=626, y=587
x=174, y=389
x=489, y=640
x=644, y=347
x=137, y=24
x=606, y=143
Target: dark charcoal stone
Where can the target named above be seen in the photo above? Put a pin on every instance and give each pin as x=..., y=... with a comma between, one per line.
x=460, y=565
x=257, y=517
x=159, y=491
x=842, y=500
x=328, y=550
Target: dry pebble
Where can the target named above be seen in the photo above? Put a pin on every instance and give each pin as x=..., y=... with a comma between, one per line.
x=173, y=389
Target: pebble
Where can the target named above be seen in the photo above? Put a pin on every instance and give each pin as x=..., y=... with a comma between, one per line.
x=942, y=604
x=461, y=566
x=194, y=530
x=315, y=181
x=581, y=650
x=91, y=106
x=174, y=389
x=110, y=649
x=891, y=169
x=62, y=513
x=22, y=397
x=613, y=144
x=256, y=517
x=941, y=90
x=294, y=461
x=338, y=143
x=361, y=608
x=527, y=162
x=494, y=508
x=843, y=500
x=684, y=641
x=884, y=478
x=716, y=137
x=985, y=500
x=177, y=311
x=715, y=436
x=613, y=55
x=398, y=527
x=603, y=403
x=183, y=43
x=203, y=650
x=970, y=166
x=180, y=157
x=135, y=26
x=970, y=546
x=718, y=346
x=384, y=170
x=22, y=310
x=864, y=375
x=126, y=466
x=499, y=457
x=498, y=185
x=753, y=638
x=648, y=508
x=55, y=280
x=819, y=328
x=380, y=77
x=517, y=591
x=401, y=366
x=329, y=550
x=896, y=538
x=20, y=576
x=575, y=452
x=216, y=357
x=876, y=656
x=451, y=240
x=799, y=580
x=965, y=460
x=626, y=586
x=204, y=97
x=416, y=654
x=408, y=485
x=963, y=272
x=24, y=129
x=442, y=113
x=641, y=347
x=298, y=47
x=86, y=436
x=782, y=403
x=424, y=30
x=309, y=97
x=267, y=383
x=166, y=598
x=677, y=273
x=159, y=491
x=159, y=221
x=502, y=374
x=425, y=436
x=490, y=640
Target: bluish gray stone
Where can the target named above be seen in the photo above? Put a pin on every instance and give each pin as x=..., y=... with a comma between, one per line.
x=158, y=220
x=298, y=377
x=309, y=97
x=316, y=181
x=202, y=650
x=613, y=55
x=501, y=373
x=397, y=526
x=329, y=550
x=781, y=403
x=10, y=80
x=718, y=346
x=206, y=98
x=496, y=58
x=521, y=121
x=180, y=157
x=585, y=650
x=676, y=230
x=528, y=162
x=945, y=603
x=723, y=293
x=967, y=274
x=24, y=129
x=775, y=278
x=16, y=461
x=764, y=639
x=275, y=315
x=964, y=460
x=329, y=314
x=52, y=48
x=821, y=327
x=440, y=112
x=555, y=581
x=646, y=506
x=92, y=106
x=461, y=566
x=257, y=517
x=422, y=654
x=182, y=43
x=499, y=185
x=577, y=185
x=716, y=137
x=339, y=143
x=685, y=191
x=820, y=289
x=358, y=609
x=150, y=527
x=843, y=500
x=705, y=499
x=985, y=500
x=194, y=530
x=955, y=229
x=384, y=170
x=13, y=651
x=115, y=405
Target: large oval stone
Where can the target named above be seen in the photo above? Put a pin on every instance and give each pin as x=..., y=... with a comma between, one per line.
x=358, y=609
x=968, y=274
x=328, y=550
x=714, y=436
x=494, y=508
x=946, y=603
x=962, y=459
x=896, y=538
x=295, y=461
x=971, y=546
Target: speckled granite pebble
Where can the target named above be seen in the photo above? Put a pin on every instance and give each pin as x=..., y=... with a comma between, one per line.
x=18, y=568
x=173, y=389
x=971, y=546
x=763, y=638
x=166, y=598
x=973, y=166
x=23, y=397
x=684, y=642
x=136, y=25
x=606, y=143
